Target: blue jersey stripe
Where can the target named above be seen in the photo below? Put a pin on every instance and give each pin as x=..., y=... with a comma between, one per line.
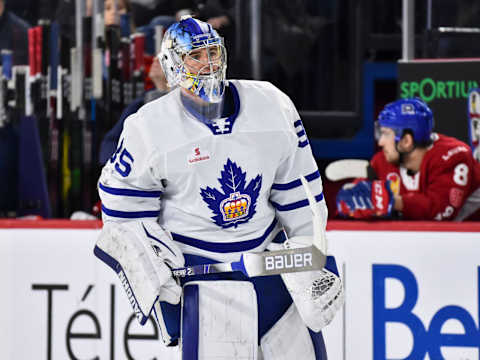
x=296, y=183
x=130, y=214
x=297, y=123
x=302, y=144
x=301, y=133
x=296, y=205
x=223, y=248
x=129, y=192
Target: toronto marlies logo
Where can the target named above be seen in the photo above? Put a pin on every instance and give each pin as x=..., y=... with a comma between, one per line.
x=236, y=205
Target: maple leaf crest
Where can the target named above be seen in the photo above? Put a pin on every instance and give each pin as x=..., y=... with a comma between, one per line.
x=236, y=202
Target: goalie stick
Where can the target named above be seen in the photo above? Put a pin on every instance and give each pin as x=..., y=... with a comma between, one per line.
x=273, y=262
x=263, y=264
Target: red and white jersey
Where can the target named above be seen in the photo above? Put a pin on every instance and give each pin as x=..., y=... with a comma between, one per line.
x=447, y=187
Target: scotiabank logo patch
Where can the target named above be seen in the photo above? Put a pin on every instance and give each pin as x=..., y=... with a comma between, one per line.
x=197, y=156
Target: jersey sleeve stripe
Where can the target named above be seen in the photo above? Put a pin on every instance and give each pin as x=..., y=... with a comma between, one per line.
x=296, y=205
x=130, y=214
x=223, y=248
x=302, y=144
x=296, y=183
x=129, y=192
x=301, y=134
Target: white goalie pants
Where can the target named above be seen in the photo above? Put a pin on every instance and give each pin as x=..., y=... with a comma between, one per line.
x=220, y=322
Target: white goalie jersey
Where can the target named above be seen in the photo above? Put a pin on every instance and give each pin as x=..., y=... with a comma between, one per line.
x=220, y=189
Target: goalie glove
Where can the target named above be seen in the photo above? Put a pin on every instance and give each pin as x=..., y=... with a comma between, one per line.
x=365, y=200
x=318, y=295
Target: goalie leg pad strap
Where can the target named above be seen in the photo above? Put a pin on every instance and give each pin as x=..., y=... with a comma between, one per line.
x=288, y=339
x=219, y=321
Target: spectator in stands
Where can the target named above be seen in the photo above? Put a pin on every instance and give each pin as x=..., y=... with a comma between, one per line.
x=421, y=175
x=112, y=9
x=13, y=35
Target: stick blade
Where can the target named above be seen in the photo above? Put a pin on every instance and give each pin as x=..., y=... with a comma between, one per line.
x=346, y=169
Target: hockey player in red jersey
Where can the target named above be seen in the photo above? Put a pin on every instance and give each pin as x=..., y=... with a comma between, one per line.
x=421, y=175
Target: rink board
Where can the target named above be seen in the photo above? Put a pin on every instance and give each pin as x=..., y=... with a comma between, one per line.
x=412, y=289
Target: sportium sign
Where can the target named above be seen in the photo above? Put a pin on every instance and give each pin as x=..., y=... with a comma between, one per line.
x=444, y=86
x=429, y=89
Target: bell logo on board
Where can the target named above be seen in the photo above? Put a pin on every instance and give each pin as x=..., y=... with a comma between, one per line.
x=427, y=338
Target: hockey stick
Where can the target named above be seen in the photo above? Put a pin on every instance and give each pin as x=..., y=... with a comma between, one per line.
x=113, y=101
x=474, y=122
x=263, y=264
x=52, y=31
x=138, y=65
x=5, y=76
x=346, y=169
x=273, y=262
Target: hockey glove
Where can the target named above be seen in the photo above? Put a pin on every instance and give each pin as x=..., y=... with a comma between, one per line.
x=318, y=295
x=365, y=200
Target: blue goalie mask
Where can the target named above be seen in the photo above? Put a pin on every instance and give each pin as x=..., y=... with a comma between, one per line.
x=407, y=114
x=183, y=42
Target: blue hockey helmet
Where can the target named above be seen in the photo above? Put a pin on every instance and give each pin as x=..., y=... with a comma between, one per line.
x=408, y=114
x=179, y=41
